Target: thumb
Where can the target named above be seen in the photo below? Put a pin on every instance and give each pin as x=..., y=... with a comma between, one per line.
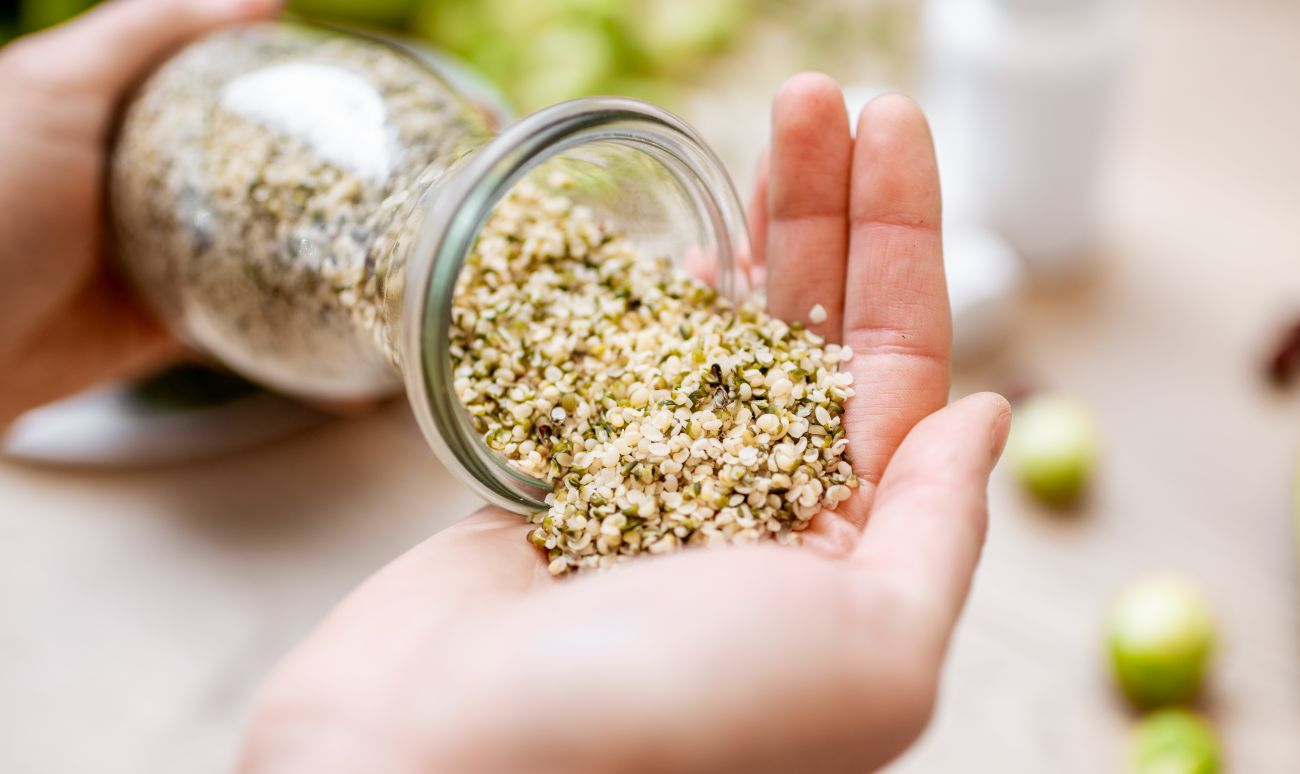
x=927, y=526
x=108, y=49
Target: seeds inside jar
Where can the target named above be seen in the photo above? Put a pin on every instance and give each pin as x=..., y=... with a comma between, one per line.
x=262, y=184
x=661, y=414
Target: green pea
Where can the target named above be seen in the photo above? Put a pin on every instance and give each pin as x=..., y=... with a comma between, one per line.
x=1162, y=637
x=1174, y=741
x=1053, y=448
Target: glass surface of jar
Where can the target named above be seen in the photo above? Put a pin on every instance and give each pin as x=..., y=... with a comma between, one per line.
x=298, y=201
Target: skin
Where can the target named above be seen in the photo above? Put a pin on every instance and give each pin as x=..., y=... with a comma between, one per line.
x=464, y=654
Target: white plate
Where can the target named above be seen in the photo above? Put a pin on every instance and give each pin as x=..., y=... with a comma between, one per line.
x=112, y=427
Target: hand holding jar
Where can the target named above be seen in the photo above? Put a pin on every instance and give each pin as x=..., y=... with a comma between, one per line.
x=67, y=325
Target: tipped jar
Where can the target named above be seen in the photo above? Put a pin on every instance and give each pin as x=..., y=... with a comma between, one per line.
x=297, y=202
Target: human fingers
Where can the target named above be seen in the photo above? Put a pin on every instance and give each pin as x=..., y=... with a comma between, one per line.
x=896, y=315
x=106, y=50
x=807, y=202
x=930, y=515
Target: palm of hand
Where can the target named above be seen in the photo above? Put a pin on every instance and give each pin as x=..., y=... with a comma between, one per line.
x=465, y=655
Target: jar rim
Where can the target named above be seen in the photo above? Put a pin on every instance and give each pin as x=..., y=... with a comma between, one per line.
x=450, y=230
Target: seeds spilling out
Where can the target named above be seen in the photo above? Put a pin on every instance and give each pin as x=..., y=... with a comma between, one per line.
x=662, y=414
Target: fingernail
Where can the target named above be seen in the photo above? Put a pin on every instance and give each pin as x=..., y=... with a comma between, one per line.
x=1001, y=429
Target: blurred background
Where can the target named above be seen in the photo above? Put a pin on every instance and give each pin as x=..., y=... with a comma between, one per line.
x=1122, y=186
x=543, y=51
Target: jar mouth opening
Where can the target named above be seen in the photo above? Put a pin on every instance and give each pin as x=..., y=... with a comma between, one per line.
x=657, y=140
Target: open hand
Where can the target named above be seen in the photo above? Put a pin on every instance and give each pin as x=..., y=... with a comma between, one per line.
x=465, y=655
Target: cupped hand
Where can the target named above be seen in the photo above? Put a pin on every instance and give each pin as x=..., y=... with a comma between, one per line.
x=64, y=324
x=464, y=655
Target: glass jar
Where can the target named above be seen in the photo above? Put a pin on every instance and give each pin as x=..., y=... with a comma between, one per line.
x=298, y=201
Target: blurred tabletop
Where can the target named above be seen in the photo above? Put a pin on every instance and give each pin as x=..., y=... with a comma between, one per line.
x=139, y=610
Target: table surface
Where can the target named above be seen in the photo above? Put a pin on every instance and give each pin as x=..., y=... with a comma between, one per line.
x=141, y=609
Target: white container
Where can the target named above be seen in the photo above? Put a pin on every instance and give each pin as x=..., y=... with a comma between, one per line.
x=1021, y=93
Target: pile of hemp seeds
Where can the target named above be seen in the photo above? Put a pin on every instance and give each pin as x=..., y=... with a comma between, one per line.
x=662, y=414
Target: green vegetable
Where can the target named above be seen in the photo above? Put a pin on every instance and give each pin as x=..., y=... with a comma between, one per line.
x=542, y=51
x=383, y=12
x=671, y=33
x=564, y=59
x=1053, y=448
x=1174, y=741
x=1161, y=635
